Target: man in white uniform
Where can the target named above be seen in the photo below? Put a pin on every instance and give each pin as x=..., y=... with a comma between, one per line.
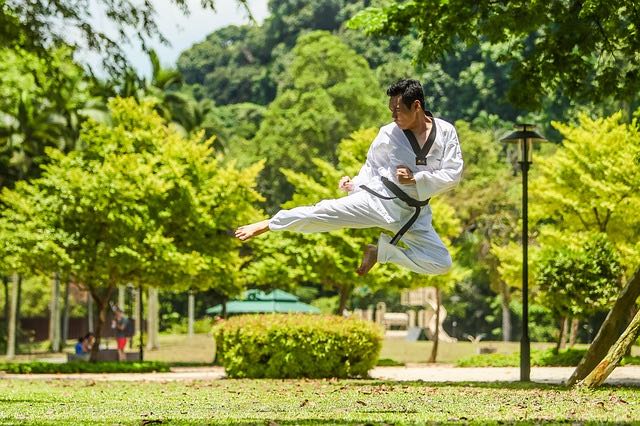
x=411, y=160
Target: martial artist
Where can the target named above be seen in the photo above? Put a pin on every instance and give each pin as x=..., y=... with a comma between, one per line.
x=410, y=161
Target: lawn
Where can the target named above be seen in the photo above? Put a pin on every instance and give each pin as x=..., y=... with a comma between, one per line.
x=306, y=402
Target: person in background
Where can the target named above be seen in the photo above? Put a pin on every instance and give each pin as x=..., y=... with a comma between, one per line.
x=79, y=348
x=120, y=324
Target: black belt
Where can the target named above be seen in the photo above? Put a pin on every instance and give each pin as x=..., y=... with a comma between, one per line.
x=400, y=194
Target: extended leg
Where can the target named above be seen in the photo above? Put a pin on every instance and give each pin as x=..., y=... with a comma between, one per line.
x=353, y=211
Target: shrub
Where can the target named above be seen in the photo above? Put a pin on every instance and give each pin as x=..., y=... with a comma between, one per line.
x=564, y=358
x=291, y=346
x=83, y=367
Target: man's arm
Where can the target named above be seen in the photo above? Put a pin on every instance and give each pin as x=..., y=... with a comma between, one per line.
x=367, y=171
x=432, y=183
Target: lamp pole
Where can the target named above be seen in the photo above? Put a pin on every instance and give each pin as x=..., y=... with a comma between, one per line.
x=525, y=344
x=525, y=138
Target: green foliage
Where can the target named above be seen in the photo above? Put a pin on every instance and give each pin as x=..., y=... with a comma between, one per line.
x=578, y=283
x=328, y=92
x=590, y=185
x=42, y=104
x=38, y=25
x=291, y=346
x=551, y=45
x=38, y=367
x=180, y=326
x=387, y=362
x=547, y=358
x=138, y=203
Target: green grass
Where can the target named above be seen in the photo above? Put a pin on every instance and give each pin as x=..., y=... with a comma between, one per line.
x=65, y=402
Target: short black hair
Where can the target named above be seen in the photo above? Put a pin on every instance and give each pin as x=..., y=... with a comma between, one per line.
x=409, y=90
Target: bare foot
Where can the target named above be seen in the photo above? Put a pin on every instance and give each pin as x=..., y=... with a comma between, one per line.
x=368, y=260
x=248, y=231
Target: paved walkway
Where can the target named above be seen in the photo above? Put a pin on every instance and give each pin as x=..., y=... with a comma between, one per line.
x=629, y=375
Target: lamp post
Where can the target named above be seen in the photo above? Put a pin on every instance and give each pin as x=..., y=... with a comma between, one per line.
x=524, y=137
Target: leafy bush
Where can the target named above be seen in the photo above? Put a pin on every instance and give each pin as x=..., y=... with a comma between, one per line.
x=83, y=367
x=564, y=358
x=388, y=362
x=291, y=346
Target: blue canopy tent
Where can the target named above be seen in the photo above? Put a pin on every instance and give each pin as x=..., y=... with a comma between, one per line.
x=257, y=301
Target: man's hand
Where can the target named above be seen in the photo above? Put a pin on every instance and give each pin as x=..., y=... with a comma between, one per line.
x=345, y=184
x=405, y=175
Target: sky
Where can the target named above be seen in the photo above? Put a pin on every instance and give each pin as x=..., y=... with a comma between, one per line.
x=182, y=31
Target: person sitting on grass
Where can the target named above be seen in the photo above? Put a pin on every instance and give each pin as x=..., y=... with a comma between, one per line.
x=79, y=348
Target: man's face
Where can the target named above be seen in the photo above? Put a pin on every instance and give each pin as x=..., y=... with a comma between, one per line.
x=404, y=117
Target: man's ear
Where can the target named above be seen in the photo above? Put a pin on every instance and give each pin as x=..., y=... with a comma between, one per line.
x=416, y=104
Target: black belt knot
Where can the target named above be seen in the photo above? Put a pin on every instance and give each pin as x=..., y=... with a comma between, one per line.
x=401, y=195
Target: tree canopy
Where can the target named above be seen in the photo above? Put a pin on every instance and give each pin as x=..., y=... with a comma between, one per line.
x=588, y=50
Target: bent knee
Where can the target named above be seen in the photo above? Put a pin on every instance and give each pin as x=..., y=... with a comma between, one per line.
x=441, y=266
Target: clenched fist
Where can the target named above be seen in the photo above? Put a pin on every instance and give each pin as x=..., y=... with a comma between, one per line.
x=345, y=184
x=405, y=175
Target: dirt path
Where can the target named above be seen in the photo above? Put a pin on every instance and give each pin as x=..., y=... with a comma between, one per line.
x=629, y=375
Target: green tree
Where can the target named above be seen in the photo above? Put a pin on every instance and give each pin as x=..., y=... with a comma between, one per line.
x=590, y=185
x=138, y=203
x=42, y=104
x=329, y=92
x=585, y=49
x=578, y=283
x=37, y=25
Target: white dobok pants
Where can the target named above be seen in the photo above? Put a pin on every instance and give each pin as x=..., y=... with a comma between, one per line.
x=425, y=252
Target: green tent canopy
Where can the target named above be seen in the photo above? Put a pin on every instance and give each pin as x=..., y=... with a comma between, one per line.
x=257, y=301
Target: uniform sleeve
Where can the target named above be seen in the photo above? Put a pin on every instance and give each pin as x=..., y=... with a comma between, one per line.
x=370, y=167
x=432, y=183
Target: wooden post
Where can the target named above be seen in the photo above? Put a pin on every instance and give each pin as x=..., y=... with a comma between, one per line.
x=190, y=313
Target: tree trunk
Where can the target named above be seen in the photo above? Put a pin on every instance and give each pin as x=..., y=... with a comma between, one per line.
x=436, y=337
x=607, y=365
x=575, y=325
x=506, y=314
x=610, y=329
x=140, y=316
x=90, y=316
x=152, y=319
x=561, y=324
x=54, y=314
x=345, y=292
x=565, y=332
x=190, y=313
x=65, y=313
x=13, y=308
x=136, y=311
x=121, y=293
x=18, y=315
x=7, y=303
x=102, y=306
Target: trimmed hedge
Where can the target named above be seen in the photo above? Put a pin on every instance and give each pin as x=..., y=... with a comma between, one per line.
x=297, y=345
x=83, y=367
x=564, y=358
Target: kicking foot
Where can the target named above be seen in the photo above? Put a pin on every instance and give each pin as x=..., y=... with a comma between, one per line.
x=368, y=260
x=248, y=231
